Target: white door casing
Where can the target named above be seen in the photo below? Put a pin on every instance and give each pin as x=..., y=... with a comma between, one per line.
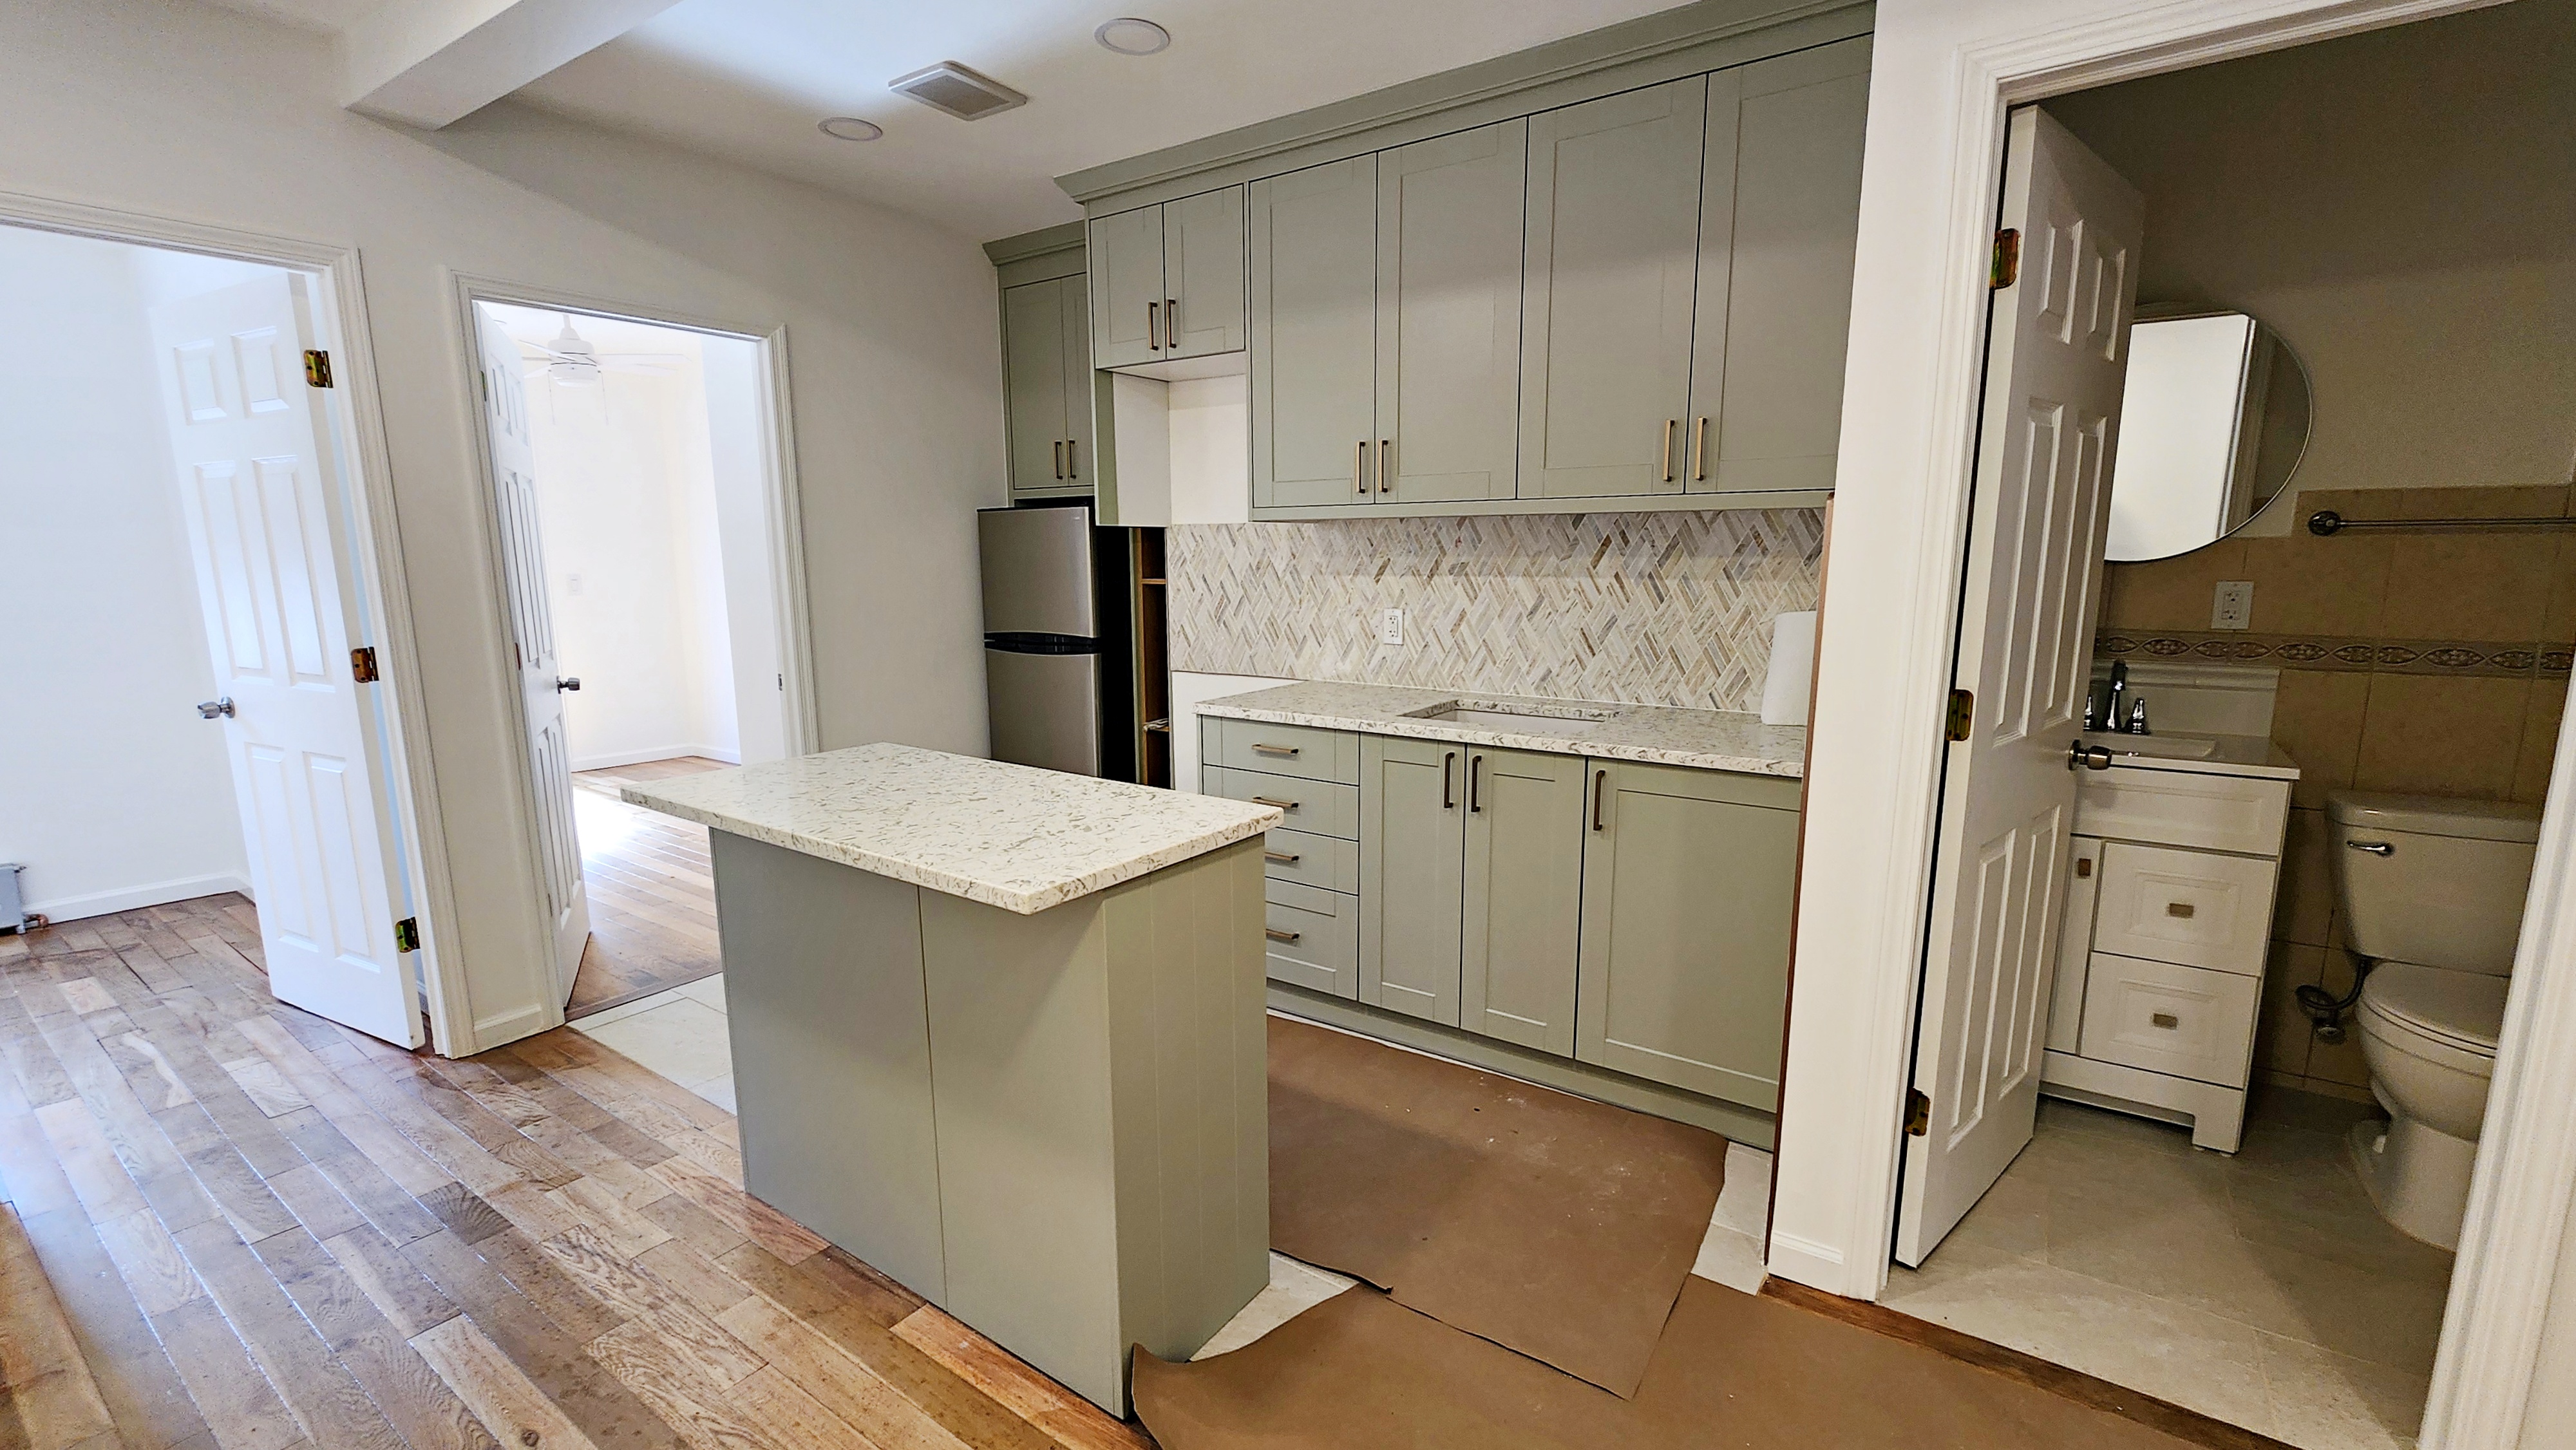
x=264, y=516
x=532, y=642
x=2057, y=354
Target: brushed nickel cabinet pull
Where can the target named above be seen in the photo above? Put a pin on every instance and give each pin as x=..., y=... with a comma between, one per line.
x=1273, y=803
x=1275, y=934
x=1699, y=451
x=2166, y=1020
x=1172, y=324
x=1385, y=456
x=2182, y=909
x=1671, y=426
x=1268, y=749
x=1284, y=858
x=1448, y=758
x=1059, y=459
x=1600, y=787
x=1073, y=458
x=1475, y=803
x=1153, y=326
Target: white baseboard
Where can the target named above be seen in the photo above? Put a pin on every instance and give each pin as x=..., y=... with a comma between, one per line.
x=135, y=898
x=1818, y=1266
x=610, y=760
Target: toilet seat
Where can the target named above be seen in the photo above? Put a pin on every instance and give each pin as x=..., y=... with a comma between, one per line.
x=2460, y=1010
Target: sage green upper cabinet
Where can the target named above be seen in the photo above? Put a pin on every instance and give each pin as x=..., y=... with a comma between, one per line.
x=1167, y=281
x=1449, y=315
x=1522, y=907
x=1314, y=333
x=1412, y=829
x=1046, y=376
x=1688, y=879
x=1613, y=237
x=1780, y=212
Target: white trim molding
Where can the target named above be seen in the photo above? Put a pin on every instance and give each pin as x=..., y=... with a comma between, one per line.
x=1943, y=74
x=134, y=898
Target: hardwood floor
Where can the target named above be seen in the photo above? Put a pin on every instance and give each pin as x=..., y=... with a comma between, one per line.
x=652, y=894
x=230, y=1225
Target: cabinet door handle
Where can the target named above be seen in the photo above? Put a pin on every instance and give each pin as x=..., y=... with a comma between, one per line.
x=1274, y=803
x=2183, y=909
x=1275, y=934
x=1448, y=758
x=1475, y=802
x=1671, y=427
x=2083, y=866
x=1153, y=326
x=1385, y=455
x=1269, y=749
x=2166, y=1020
x=1699, y=450
x=1359, y=471
x=1059, y=459
x=1172, y=324
x=1600, y=788
x=1284, y=858
x=1072, y=458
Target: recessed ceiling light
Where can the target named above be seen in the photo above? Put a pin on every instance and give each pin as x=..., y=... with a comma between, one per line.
x=1128, y=35
x=850, y=128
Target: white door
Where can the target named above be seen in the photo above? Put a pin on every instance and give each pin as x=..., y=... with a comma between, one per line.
x=2056, y=354
x=532, y=638
x=265, y=526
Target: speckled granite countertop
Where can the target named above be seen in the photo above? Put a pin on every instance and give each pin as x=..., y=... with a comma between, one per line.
x=1660, y=735
x=1006, y=835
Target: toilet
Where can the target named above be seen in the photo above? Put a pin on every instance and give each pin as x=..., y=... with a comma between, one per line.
x=2432, y=891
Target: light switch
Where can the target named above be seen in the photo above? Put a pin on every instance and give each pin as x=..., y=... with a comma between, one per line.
x=2233, y=608
x=572, y=583
x=1390, y=627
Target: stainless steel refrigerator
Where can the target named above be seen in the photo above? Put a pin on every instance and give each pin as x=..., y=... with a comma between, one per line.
x=1056, y=640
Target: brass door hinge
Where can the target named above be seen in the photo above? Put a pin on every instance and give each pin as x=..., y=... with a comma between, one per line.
x=362, y=664
x=407, y=934
x=1918, y=1113
x=317, y=367
x=1963, y=714
x=2007, y=266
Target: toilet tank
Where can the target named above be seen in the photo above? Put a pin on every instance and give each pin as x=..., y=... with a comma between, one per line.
x=2447, y=889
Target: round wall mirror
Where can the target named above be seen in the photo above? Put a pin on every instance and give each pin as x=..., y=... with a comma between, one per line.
x=2212, y=426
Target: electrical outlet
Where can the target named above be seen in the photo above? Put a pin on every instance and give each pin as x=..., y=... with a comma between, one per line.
x=1390, y=627
x=2234, y=606
x=572, y=583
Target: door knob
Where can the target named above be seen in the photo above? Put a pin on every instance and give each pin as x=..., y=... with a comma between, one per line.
x=216, y=709
x=2080, y=756
x=567, y=682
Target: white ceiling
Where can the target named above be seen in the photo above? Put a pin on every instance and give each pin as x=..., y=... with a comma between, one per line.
x=746, y=81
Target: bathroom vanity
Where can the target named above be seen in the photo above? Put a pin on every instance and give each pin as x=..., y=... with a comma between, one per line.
x=2159, y=982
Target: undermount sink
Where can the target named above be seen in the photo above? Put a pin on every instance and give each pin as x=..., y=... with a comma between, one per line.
x=2163, y=747
x=1516, y=718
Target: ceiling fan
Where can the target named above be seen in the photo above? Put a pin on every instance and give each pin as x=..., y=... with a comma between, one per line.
x=570, y=359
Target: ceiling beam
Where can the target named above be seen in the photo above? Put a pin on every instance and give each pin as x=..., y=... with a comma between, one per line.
x=427, y=63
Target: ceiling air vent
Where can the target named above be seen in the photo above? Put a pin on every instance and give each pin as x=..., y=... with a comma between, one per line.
x=960, y=92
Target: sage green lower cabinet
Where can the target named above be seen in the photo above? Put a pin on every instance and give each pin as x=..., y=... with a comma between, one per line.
x=1412, y=840
x=1689, y=878
x=1522, y=907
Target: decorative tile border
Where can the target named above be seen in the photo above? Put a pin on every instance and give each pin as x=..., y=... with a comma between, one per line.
x=2518, y=660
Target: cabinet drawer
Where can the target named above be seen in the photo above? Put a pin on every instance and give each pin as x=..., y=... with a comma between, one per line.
x=2074, y=943
x=1299, y=750
x=1322, y=807
x=2165, y=1018
x=2178, y=808
x=1313, y=938
x=2192, y=908
x=1325, y=862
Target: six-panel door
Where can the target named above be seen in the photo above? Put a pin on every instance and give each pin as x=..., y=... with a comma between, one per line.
x=1314, y=334
x=1412, y=831
x=1523, y=900
x=1687, y=883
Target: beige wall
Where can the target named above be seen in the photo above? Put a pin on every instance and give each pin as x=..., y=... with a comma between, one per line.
x=188, y=111
x=2401, y=207
x=2549, y=1420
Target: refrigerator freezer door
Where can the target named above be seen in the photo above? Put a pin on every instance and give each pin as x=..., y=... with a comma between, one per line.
x=1037, y=571
x=1046, y=708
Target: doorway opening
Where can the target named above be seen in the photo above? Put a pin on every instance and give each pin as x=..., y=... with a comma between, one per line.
x=636, y=494
x=206, y=719
x=2217, y=985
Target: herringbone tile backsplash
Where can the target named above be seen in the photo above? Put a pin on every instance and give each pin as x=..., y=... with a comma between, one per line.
x=1648, y=609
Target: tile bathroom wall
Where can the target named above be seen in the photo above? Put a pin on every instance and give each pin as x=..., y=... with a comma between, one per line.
x=1652, y=609
x=2433, y=663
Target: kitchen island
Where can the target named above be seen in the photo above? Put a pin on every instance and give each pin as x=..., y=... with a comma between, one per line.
x=999, y=1032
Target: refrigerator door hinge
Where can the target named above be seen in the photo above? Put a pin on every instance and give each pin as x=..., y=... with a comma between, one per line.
x=1963, y=714
x=362, y=664
x=317, y=367
x=2007, y=264
x=1918, y=1113
x=407, y=934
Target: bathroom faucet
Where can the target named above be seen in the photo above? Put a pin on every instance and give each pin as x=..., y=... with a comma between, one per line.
x=2111, y=719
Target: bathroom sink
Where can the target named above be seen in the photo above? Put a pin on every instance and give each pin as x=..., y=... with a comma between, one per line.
x=2163, y=747
x=1517, y=718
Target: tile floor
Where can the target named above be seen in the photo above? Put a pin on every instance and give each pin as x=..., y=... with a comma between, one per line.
x=2261, y=1288
x=679, y=1034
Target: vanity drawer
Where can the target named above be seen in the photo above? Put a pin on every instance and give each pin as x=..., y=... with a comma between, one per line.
x=1313, y=938
x=1300, y=750
x=2165, y=1018
x=1327, y=862
x=1322, y=807
x=2178, y=808
x=2191, y=908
